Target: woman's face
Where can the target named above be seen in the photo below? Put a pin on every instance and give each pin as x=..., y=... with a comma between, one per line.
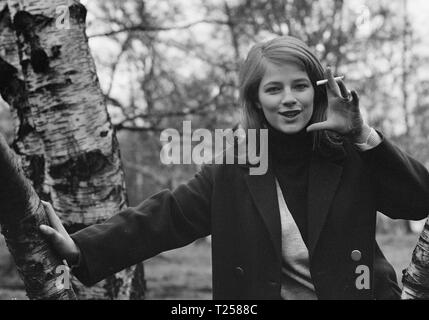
x=286, y=97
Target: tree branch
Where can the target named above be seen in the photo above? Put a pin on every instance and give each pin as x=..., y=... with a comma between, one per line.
x=147, y=28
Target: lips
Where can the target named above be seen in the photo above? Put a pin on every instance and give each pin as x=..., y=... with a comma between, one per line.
x=290, y=113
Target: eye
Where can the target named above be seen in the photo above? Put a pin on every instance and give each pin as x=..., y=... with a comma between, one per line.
x=272, y=90
x=302, y=86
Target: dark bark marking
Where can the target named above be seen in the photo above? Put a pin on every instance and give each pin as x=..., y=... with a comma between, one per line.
x=138, y=284
x=60, y=107
x=14, y=187
x=39, y=60
x=70, y=73
x=82, y=167
x=114, y=194
x=7, y=73
x=5, y=21
x=56, y=51
x=25, y=128
x=13, y=91
x=78, y=12
x=56, y=89
x=27, y=25
x=53, y=87
x=112, y=286
x=36, y=169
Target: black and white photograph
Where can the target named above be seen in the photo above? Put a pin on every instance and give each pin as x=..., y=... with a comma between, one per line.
x=195, y=151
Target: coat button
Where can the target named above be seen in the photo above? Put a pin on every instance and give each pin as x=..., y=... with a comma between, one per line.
x=356, y=255
x=239, y=272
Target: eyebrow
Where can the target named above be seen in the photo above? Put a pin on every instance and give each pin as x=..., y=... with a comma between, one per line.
x=278, y=82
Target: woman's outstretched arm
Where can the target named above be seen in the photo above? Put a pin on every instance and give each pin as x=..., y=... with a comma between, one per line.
x=167, y=220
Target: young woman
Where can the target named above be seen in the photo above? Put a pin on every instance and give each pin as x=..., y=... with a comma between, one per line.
x=303, y=230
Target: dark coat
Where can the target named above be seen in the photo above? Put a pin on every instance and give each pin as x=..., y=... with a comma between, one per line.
x=241, y=213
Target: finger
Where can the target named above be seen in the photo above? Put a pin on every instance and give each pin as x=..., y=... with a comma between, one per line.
x=332, y=84
x=53, y=235
x=55, y=239
x=325, y=125
x=344, y=92
x=53, y=218
x=47, y=230
x=355, y=97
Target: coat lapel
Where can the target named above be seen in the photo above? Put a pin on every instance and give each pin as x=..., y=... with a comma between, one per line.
x=263, y=191
x=324, y=177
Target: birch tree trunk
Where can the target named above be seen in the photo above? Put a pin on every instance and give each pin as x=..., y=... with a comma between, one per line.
x=416, y=276
x=64, y=136
x=21, y=214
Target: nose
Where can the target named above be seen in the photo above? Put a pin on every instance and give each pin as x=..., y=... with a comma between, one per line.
x=288, y=98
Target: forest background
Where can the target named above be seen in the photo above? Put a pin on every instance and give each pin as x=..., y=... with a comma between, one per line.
x=161, y=62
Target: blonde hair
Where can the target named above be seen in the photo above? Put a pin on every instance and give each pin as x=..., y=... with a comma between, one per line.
x=280, y=51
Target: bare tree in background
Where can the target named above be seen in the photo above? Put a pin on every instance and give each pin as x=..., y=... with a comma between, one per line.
x=155, y=43
x=64, y=135
x=147, y=33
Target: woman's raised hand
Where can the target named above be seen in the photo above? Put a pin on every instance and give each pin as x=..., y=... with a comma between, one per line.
x=57, y=235
x=343, y=114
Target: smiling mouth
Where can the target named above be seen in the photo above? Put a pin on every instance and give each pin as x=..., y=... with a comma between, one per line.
x=290, y=114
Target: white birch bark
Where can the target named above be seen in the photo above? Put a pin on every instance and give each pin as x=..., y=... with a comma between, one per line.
x=65, y=131
x=20, y=211
x=416, y=276
x=21, y=214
